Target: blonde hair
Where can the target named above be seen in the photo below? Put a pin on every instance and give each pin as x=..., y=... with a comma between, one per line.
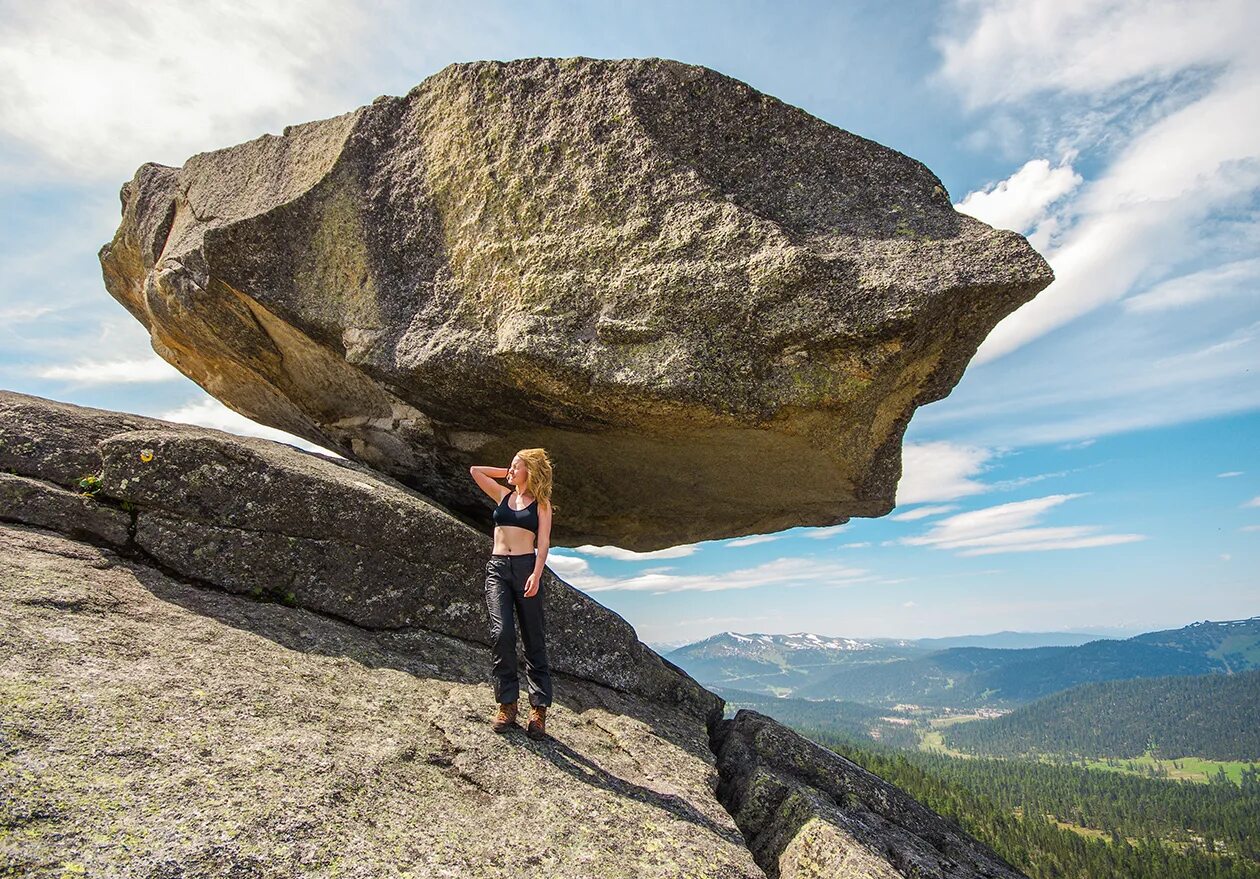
x=539, y=473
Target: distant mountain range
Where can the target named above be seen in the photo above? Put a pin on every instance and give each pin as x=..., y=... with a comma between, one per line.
x=807, y=641
x=1211, y=716
x=931, y=673
x=1012, y=640
x=967, y=677
x=779, y=665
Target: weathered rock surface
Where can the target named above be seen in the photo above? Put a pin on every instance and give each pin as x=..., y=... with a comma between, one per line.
x=807, y=811
x=154, y=729
x=717, y=311
x=166, y=715
x=269, y=520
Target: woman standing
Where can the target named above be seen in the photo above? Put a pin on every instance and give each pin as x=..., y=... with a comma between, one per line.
x=522, y=535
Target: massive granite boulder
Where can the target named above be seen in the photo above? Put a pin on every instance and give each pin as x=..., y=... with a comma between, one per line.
x=227, y=657
x=717, y=311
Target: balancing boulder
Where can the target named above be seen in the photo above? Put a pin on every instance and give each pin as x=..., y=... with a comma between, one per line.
x=716, y=311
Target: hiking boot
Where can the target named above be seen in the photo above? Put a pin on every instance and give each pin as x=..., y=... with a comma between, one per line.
x=506, y=718
x=537, y=728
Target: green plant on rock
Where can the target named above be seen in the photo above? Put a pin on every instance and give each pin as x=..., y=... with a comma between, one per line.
x=90, y=484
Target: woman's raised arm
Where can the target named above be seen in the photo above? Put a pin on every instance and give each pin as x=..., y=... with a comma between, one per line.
x=485, y=477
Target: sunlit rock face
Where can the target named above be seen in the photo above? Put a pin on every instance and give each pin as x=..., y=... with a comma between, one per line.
x=716, y=311
x=156, y=728
x=265, y=520
x=224, y=656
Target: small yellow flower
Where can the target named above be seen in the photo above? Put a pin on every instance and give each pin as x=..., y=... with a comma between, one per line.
x=146, y=455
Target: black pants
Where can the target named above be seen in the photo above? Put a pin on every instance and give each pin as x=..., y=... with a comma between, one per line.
x=505, y=593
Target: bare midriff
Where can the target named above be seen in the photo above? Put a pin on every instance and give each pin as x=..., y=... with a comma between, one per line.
x=511, y=540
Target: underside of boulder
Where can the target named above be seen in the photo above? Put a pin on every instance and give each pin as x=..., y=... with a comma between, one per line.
x=716, y=311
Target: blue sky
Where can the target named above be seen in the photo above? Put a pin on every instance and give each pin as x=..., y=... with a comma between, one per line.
x=1097, y=468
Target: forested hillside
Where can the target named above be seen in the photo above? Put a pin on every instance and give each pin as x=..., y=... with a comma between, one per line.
x=1236, y=643
x=851, y=719
x=964, y=677
x=1213, y=716
x=1055, y=821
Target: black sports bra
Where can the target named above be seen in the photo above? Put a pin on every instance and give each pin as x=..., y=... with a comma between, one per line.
x=526, y=518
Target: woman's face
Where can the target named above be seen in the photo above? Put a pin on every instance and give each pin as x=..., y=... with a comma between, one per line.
x=517, y=474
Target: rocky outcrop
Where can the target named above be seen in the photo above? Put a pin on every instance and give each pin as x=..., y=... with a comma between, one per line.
x=234, y=658
x=268, y=520
x=151, y=728
x=807, y=811
x=717, y=311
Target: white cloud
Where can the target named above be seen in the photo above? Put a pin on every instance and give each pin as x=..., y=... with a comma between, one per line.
x=1187, y=359
x=212, y=413
x=1178, y=166
x=1011, y=50
x=907, y=604
x=940, y=471
x=1239, y=276
x=1134, y=374
x=1229, y=474
x=753, y=540
x=782, y=572
x=1122, y=236
x=109, y=372
x=1250, y=528
x=1020, y=202
x=992, y=520
x=1009, y=528
x=92, y=90
x=1254, y=502
x=923, y=512
x=824, y=532
x=20, y=314
x=566, y=566
x=629, y=555
x=1021, y=481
